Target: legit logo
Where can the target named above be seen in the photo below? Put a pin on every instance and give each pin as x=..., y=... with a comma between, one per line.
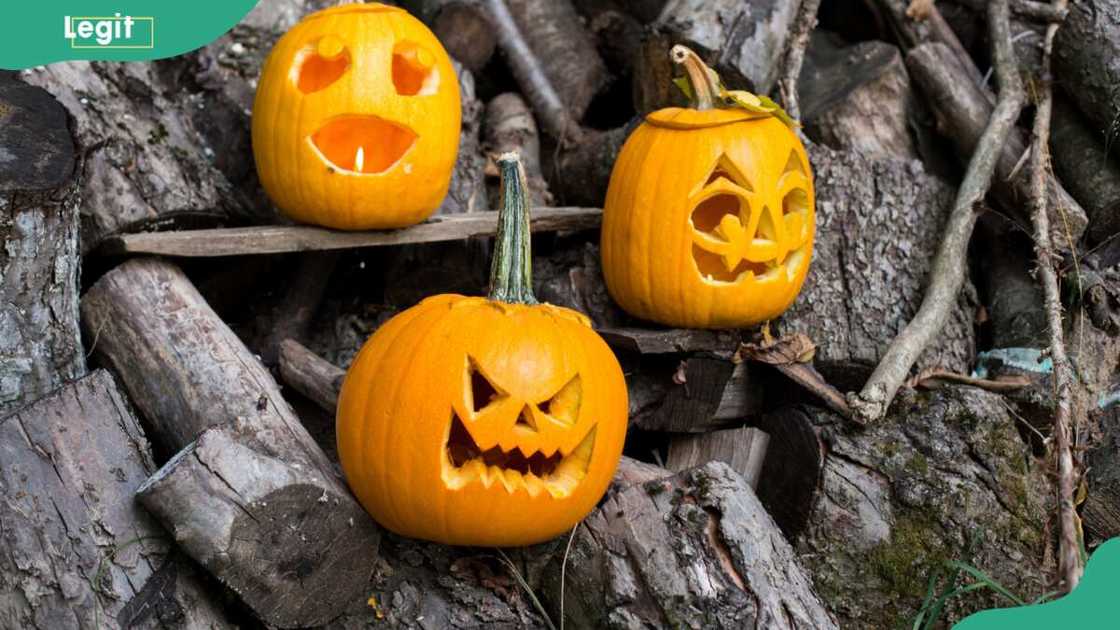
x=110, y=32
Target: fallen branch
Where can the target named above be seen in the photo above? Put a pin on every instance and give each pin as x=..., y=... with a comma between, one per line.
x=278, y=239
x=947, y=275
x=795, y=55
x=792, y=355
x=1069, y=554
x=935, y=378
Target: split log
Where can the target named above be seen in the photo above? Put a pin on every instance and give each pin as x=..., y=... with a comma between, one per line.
x=944, y=476
x=573, y=278
x=700, y=394
x=742, y=41
x=284, y=533
x=1081, y=160
x=963, y=110
x=581, y=172
x=277, y=239
x=509, y=127
x=879, y=223
x=743, y=449
x=858, y=98
x=670, y=340
x=695, y=549
x=1101, y=511
x=1087, y=58
x=462, y=26
x=40, y=347
x=78, y=551
x=791, y=472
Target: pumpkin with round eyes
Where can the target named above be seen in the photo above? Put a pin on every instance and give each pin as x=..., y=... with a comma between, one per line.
x=709, y=216
x=356, y=119
x=484, y=421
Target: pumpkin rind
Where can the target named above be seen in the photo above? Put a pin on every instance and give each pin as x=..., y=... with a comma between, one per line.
x=553, y=391
x=735, y=272
x=350, y=76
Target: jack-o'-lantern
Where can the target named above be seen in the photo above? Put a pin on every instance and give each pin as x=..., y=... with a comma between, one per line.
x=709, y=216
x=356, y=119
x=484, y=421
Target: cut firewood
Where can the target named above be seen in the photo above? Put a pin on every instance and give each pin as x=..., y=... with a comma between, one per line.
x=39, y=266
x=581, y=172
x=879, y=222
x=1087, y=58
x=254, y=485
x=509, y=127
x=670, y=340
x=791, y=472
x=78, y=551
x=743, y=449
x=705, y=393
x=292, y=316
x=462, y=26
x=695, y=546
x=858, y=98
x=963, y=110
x=278, y=239
x=1082, y=160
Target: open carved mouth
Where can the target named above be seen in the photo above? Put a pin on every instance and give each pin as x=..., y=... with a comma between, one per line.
x=362, y=145
x=557, y=474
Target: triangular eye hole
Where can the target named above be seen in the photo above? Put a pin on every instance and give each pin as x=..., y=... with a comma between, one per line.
x=793, y=164
x=481, y=391
x=726, y=170
x=564, y=405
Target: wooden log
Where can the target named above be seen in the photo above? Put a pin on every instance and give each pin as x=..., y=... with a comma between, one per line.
x=1081, y=160
x=508, y=126
x=702, y=394
x=698, y=546
x=791, y=473
x=573, y=277
x=40, y=347
x=962, y=110
x=1013, y=297
x=743, y=449
x=858, y=98
x=277, y=239
x=462, y=26
x=879, y=223
x=78, y=551
x=1101, y=511
x=581, y=172
x=901, y=496
x=292, y=316
x=187, y=372
x=670, y=340
x=1087, y=58
x=743, y=41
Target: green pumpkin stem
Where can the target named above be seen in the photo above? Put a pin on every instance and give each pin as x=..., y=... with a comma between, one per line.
x=511, y=272
x=704, y=80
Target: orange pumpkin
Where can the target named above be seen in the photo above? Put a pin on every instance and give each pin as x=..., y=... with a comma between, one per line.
x=484, y=421
x=356, y=119
x=709, y=216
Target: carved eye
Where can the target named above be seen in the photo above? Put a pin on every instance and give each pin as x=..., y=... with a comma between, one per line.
x=414, y=71
x=317, y=67
x=481, y=391
x=564, y=405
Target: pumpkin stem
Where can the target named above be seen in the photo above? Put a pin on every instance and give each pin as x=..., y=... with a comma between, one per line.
x=511, y=272
x=704, y=80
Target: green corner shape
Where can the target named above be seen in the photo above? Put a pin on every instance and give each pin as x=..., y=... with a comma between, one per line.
x=1095, y=603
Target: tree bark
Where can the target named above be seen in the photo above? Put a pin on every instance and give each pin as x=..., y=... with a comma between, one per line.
x=1087, y=58
x=77, y=550
x=858, y=98
x=743, y=449
x=582, y=173
x=187, y=372
x=963, y=110
x=509, y=126
x=695, y=550
x=879, y=222
x=40, y=346
x=462, y=26
x=944, y=476
x=1081, y=160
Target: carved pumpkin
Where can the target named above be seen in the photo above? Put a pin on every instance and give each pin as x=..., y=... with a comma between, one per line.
x=484, y=421
x=709, y=215
x=356, y=119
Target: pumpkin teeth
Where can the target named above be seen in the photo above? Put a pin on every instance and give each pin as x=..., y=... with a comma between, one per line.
x=465, y=462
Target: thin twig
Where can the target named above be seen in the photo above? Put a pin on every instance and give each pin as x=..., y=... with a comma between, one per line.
x=947, y=273
x=1069, y=557
x=564, y=571
x=795, y=55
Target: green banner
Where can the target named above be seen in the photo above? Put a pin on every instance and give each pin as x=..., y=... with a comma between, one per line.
x=40, y=32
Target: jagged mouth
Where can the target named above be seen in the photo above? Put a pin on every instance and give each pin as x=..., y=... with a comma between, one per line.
x=362, y=145
x=557, y=474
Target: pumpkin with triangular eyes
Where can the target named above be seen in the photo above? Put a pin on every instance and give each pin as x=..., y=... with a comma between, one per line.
x=709, y=216
x=484, y=421
x=356, y=119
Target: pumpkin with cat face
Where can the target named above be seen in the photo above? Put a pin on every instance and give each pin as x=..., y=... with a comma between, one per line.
x=709, y=216
x=356, y=119
x=484, y=420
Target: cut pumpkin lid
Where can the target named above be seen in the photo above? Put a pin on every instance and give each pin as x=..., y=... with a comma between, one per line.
x=688, y=118
x=339, y=9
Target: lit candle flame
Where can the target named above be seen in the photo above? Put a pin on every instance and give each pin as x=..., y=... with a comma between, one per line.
x=359, y=159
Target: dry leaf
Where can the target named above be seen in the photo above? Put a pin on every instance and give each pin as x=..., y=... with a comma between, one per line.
x=787, y=350
x=919, y=9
